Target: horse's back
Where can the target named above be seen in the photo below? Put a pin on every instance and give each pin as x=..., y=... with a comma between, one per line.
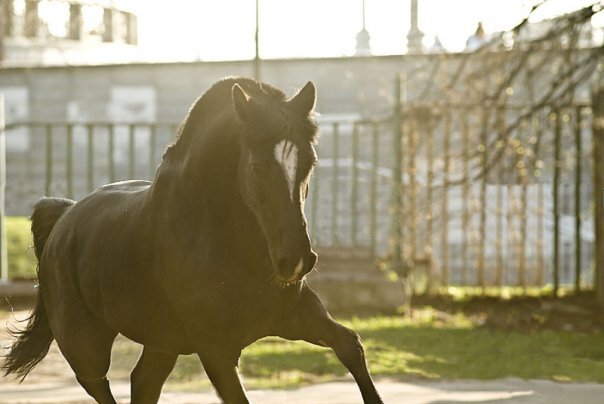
x=99, y=252
x=131, y=186
x=85, y=236
x=110, y=209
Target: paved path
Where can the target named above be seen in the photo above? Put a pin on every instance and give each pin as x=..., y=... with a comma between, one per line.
x=464, y=391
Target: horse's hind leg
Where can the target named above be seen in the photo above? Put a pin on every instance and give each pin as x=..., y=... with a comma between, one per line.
x=98, y=389
x=86, y=344
x=149, y=375
x=90, y=361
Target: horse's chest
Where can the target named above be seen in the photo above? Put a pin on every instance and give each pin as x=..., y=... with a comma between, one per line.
x=228, y=311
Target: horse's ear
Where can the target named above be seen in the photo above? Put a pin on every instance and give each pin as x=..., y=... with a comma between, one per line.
x=304, y=101
x=242, y=103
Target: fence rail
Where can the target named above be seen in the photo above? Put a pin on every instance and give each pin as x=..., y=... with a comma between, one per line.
x=100, y=152
x=469, y=195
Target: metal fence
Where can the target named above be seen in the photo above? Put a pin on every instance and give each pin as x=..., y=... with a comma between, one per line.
x=476, y=195
x=348, y=203
x=72, y=159
x=498, y=195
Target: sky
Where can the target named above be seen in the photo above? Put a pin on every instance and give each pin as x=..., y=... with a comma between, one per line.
x=224, y=30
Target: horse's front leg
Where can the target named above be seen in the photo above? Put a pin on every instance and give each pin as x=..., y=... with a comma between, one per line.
x=221, y=368
x=311, y=322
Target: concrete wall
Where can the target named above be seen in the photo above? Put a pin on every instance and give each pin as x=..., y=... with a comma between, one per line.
x=362, y=85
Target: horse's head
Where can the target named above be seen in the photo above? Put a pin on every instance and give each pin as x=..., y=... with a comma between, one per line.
x=277, y=159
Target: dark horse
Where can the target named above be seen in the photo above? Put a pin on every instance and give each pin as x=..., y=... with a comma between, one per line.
x=206, y=259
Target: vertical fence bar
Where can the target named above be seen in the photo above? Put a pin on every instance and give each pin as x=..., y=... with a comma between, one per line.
x=69, y=161
x=397, y=179
x=412, y=218
x=523, y=237
x=48, y=185
x=509, y=218
x=521, y=167
x=466, y=195
x=597, y=137
x=444, y=206
x=556, y=196
x=499, y=210
x=354, y=185
x=429, y=127
x=578, y=174
x=373, y=192
x=90, y=157
x=111, y=152
x=540, y=210
x=152, y=147
x=334, y=184
x=540, y=235
x=314, y=193
x=3, y=240
x=499, y=264
x=131, y=152
x=501, y=148
x=483, y=199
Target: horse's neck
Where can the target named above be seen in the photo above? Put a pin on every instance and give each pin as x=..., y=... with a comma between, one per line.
x=202, y=191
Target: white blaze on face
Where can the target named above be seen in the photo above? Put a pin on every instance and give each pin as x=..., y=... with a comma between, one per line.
x=286, y=154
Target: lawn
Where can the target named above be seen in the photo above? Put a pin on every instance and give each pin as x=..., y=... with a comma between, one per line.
x=425, y=347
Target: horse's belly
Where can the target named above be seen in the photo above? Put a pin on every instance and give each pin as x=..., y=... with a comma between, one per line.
x=142, y=312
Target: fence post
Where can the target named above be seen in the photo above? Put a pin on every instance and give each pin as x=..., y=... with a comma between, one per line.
x=578, y=177
x=482, y=229
x=556, y=196
x=3, y=240
x=397, y=180
x=598, y=187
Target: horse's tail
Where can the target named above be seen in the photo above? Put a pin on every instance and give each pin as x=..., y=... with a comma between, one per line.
x=33, y=342
x=46, y=213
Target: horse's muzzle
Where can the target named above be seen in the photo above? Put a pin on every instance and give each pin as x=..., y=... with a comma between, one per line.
x=294, y=269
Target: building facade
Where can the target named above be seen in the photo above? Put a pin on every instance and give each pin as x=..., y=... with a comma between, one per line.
x=67, y=32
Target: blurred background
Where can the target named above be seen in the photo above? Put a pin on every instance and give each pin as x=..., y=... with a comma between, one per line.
x=460, y=149
x=490, y=102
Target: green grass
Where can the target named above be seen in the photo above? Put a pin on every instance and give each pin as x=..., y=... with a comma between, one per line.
x=424, y=348
x=21, y=258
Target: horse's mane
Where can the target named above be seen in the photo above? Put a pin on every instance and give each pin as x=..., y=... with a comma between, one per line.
x=215, y=106
x=217, y=101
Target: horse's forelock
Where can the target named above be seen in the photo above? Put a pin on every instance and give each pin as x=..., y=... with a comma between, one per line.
x=275, y=120
x=279, y=127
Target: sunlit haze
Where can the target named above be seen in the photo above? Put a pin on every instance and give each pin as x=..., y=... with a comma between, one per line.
x=224, y=30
